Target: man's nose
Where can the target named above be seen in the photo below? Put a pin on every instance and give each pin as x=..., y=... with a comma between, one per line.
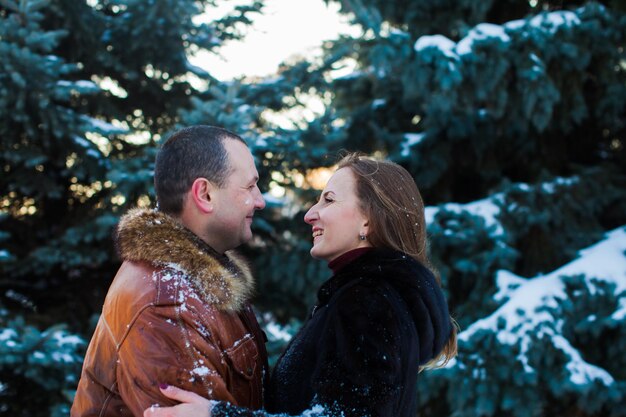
x=259, y=201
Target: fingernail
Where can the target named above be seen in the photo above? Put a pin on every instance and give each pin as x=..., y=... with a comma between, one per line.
x=163, y=386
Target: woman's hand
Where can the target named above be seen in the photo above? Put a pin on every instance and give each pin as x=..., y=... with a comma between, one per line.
x=192, y=405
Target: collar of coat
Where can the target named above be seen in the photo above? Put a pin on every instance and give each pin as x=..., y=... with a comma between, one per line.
x=157, y=238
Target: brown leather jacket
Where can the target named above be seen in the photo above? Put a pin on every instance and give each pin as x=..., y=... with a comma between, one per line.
x=176, y=313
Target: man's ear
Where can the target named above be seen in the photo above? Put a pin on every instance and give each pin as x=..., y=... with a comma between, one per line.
x=201, y=195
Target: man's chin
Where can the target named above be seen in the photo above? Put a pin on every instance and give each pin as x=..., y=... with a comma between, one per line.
x=247, y=237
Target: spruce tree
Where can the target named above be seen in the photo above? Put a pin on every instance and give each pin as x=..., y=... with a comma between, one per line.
x=87, y=89
x=510, y=116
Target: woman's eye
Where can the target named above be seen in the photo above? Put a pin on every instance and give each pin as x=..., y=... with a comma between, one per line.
x=328, y=200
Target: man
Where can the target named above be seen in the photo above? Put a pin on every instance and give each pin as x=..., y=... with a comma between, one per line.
x=177, y=311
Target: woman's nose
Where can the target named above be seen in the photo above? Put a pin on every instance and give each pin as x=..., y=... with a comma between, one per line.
x=311, y=215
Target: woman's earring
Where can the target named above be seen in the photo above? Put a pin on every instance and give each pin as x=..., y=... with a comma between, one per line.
x=362, y=236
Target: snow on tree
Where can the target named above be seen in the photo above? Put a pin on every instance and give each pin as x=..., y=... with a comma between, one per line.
x=571, y=319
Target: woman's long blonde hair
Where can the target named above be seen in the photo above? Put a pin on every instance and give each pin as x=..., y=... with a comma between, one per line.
x=393, y=205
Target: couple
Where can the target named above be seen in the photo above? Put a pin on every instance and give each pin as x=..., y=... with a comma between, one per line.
x=177, y=327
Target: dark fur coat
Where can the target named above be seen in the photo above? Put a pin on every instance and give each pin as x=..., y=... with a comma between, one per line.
x=375, y=323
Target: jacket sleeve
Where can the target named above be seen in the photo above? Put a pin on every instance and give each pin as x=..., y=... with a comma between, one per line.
x=165, y=347
x=222, y=409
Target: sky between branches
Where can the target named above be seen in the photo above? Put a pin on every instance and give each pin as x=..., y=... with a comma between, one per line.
x=285, y=28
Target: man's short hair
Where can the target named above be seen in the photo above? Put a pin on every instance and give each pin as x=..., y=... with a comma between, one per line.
x=190, y=153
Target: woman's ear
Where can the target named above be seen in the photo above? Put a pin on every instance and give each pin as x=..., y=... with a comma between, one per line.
x=201, y=195
x=365, y=227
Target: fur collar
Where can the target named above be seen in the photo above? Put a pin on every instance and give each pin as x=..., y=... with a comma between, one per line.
x=155, y=237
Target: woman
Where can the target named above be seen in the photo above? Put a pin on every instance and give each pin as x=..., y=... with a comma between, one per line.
x=379, y=319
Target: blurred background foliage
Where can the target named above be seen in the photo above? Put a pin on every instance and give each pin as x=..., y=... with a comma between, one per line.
x=514, y=105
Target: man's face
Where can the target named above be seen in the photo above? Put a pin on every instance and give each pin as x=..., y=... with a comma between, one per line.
x=236, y=202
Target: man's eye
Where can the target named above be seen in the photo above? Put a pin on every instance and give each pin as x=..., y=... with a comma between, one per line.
x=328, y=200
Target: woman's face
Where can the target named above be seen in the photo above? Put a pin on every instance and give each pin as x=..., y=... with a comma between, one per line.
x=336, y=218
